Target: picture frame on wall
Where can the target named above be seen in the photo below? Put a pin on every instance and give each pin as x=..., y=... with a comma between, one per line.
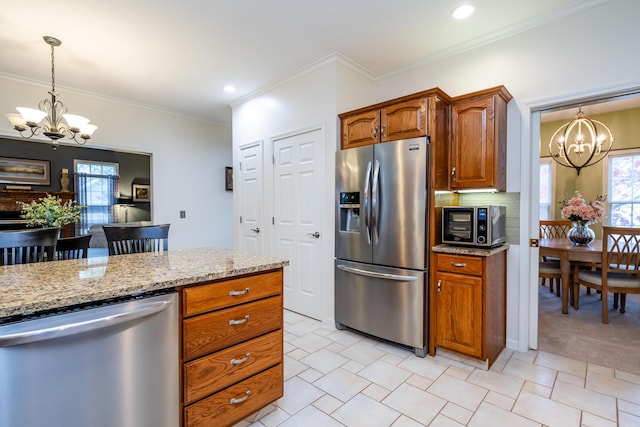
x=228, y=178
x=25, y=171
x=141, y=192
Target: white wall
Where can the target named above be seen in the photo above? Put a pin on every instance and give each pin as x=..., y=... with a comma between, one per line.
x=592, y=50
x=187, y=163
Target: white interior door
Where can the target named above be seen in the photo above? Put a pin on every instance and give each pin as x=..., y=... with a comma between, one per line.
x=251, y=200
x=299, y=208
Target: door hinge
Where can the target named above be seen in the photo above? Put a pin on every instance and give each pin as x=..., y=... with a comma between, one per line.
x=273, y=220
x=240, y=219
x=273, y=159
x=240, y=166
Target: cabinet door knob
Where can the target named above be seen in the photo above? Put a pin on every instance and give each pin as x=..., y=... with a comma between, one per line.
x=453, y=174
x=374, y=132
x=439, y=287
x=382, y=129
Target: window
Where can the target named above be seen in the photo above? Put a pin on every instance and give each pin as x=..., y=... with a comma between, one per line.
x=623, y=192
x=546, y=189
x=96, y=187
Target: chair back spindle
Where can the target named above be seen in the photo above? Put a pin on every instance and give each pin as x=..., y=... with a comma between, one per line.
x=73, y=247
x=136, y=239
x=27, y=246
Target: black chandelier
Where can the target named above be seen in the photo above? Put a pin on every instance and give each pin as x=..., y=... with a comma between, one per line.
x=580, y=143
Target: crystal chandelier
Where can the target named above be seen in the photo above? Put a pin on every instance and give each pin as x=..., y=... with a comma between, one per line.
x=51, y=118
x=580, y=143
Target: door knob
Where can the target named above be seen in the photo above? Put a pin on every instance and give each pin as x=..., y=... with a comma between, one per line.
x=256, y=230
x=316, y=234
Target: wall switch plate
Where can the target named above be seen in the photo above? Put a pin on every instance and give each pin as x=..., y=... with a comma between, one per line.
x=183, y=214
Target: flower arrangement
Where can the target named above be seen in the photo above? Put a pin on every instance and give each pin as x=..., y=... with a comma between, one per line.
x=50, y=211
x=577, y=210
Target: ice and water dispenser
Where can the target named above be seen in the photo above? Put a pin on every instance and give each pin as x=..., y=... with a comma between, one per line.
x=350, y=212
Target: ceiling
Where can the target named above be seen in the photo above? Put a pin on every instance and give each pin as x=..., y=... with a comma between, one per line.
x=178, y=55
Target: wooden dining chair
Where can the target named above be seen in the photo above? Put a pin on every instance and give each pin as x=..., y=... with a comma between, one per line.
x=73, y=247
x=549, y=268
x=27, y=246
x=135, y=239
x=620, y=269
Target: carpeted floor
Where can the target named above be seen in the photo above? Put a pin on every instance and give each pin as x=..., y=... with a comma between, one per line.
x=582, y=335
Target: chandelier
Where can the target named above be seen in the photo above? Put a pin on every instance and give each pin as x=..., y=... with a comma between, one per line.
x=580, y=143
x=51, y=118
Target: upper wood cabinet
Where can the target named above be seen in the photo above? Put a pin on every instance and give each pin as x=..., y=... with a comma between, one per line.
x=478, y=148
x=400, y=118
x=360, y=129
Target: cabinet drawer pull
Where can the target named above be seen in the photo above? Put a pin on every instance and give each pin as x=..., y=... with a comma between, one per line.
x=236, y=400
x=235, y=293
x=239, y=322
x=239, y=361
x=439, y=287
x=459, y=264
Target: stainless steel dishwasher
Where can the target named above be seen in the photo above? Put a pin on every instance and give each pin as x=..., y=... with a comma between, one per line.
x=112, y=365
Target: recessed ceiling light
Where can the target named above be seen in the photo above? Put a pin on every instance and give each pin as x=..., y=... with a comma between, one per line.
x=229, y=88
x=463, y=12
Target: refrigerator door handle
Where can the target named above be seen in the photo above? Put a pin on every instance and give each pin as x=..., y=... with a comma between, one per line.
x=365, y=191
x=374, y=202
x=387, y=276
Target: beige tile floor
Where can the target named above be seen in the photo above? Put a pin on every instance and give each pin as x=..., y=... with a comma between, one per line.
x=340, y=378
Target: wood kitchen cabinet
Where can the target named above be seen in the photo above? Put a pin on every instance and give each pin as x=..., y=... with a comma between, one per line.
x=400, y=118
x=478, y=146
x=231, y=348
x=469, y=300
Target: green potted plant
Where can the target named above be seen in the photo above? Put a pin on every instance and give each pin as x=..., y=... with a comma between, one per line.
x=50, y=211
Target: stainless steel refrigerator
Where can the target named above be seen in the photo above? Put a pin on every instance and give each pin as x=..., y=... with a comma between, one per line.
x=382, y=241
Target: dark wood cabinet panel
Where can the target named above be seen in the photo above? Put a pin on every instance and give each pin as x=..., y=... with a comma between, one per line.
x=477, y=157
x=232, y=341
x=469, y=300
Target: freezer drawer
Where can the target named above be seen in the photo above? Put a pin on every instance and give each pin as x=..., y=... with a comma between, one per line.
x=388, y=303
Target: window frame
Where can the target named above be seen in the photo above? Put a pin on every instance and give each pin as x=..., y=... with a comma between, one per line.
x=608, y=181
x=86, y=222
x=551, y=186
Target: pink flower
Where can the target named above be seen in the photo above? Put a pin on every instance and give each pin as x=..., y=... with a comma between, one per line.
x=576, y=209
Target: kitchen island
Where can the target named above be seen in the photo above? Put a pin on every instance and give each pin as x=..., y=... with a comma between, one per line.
x=229, y=317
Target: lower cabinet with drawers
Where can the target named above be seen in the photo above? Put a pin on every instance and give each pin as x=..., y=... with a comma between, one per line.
x=469, y=299
x=231, y=348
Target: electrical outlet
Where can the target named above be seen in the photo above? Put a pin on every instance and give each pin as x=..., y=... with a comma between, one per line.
x=183, y=214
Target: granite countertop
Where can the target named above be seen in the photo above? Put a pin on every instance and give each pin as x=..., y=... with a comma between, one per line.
x=466, y=250
x=32, y=288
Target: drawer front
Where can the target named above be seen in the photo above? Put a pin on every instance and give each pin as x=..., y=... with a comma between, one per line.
x=205, y=298
x=223, y=328
x=212, y=373
x=234, y=403
x=459, y=264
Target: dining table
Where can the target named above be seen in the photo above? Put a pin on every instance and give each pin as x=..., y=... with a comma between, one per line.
x=568, y=252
